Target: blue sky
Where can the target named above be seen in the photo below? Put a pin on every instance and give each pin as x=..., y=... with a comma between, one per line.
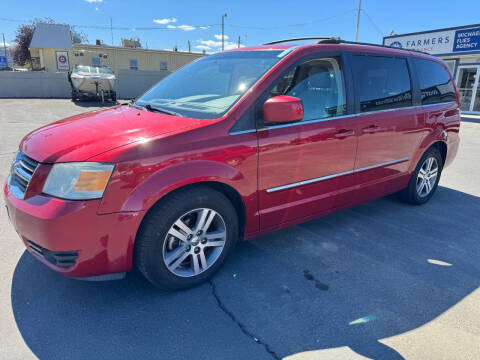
x=255, y=22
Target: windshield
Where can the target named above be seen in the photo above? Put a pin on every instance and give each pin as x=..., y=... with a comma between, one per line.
x=92, y=69
x=209, y=87
x=105, y=70
x=81, y=68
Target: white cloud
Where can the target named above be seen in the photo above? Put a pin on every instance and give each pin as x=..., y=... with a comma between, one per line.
x=203, y=47
x=186, y=27
x=232, y=45
x=171, y=27
x=204, y=27
x=94, y=1
x=96, y=9
x=164, y=21
x=211, y=43
x=6, y=44
x=228, y=45
x=219, y=36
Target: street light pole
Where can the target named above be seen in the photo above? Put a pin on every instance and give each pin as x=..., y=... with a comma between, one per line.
x=358, y=18
x=111, y=29
x=223, y=31
x=5, y=48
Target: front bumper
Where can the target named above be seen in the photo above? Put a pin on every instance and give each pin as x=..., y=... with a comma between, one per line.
x=71, y=238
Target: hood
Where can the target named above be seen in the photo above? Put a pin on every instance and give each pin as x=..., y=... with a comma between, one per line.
x=80, y=137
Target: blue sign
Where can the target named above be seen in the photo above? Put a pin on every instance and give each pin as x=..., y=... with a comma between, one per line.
x=3, y=62
x=467, y=40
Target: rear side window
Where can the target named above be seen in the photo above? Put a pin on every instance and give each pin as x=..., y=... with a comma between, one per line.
x=383, y=82
x=435, y=82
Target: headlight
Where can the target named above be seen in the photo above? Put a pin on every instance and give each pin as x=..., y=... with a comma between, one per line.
x=78, y=181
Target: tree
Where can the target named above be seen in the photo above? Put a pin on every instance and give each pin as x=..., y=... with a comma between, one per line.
x=23, y=37
x=78, y=36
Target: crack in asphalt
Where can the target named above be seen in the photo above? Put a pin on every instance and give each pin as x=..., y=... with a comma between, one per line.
x=240, y=325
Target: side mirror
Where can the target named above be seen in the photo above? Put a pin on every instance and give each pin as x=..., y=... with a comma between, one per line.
x=282, y=109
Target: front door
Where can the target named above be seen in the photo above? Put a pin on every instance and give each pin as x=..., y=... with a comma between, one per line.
x=304, y=165
x=468, y=87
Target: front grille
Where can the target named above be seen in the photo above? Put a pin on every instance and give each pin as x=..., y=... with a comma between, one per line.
x=21, y=173
x=63, y=259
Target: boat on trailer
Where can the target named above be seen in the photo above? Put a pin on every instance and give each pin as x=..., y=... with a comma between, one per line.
x=92, y=81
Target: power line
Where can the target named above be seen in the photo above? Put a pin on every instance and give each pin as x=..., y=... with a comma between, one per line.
x=373, y=23
x=202, y=27
x=293, y=25
x=206, y=26
x=129, y=28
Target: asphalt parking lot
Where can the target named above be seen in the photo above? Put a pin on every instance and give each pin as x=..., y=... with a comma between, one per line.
x=383, y=280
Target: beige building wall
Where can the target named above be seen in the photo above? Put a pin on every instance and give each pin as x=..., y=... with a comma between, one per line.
x=117, y=58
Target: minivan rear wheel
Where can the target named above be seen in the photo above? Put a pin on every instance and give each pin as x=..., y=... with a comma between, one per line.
x=186, y=237
x=424, y=180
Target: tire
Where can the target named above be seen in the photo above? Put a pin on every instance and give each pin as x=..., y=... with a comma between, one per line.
x=156, y=245
x=411, y=193
x=114, y=96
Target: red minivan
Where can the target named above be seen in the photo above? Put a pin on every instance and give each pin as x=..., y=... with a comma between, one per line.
x=231, y=146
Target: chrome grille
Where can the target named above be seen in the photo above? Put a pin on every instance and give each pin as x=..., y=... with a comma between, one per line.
x=21, y=173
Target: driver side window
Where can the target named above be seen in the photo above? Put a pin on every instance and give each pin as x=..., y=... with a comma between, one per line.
x=319, y=84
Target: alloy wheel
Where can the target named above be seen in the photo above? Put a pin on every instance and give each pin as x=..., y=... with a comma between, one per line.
x=427, y=176
x=194, y=242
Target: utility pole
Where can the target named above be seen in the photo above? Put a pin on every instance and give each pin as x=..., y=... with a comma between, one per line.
x=189, y=46
x=5, y=47
x=239, y=41
x=223, y=31
x=111, y=29
x=358, y=18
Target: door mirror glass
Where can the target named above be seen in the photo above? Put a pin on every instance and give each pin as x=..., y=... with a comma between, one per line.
x=282, y=109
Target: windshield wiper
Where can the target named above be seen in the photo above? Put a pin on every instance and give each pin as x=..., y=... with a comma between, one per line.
x=133, y=104
x=165, y=111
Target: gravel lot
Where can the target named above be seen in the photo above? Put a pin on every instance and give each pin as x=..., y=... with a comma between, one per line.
x=383, y=280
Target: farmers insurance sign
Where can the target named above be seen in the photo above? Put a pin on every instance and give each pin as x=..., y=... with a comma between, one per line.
x=62, y=60
x=439, y=42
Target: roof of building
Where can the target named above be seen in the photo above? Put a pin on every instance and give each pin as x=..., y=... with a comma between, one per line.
x=51, y=36
x=79, y=47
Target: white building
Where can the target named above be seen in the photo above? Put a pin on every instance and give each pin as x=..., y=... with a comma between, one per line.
x=460, y=48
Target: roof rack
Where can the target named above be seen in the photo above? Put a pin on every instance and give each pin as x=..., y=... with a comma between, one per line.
x=340, y=41
x=320, y=38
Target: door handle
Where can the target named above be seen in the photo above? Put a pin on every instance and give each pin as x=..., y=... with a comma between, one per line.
x=371, y=129
x=341, y=134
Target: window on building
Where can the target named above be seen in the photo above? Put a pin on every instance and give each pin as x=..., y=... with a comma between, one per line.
x=319, y=84
x=451, y=65
x=133, y=64
x=435, y=83
x=96, y=61
x=163, y=65
x=382, y=82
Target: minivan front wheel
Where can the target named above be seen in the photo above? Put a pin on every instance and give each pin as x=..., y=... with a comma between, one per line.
x=185, y=238
x=425, y=178
x=194, y=242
